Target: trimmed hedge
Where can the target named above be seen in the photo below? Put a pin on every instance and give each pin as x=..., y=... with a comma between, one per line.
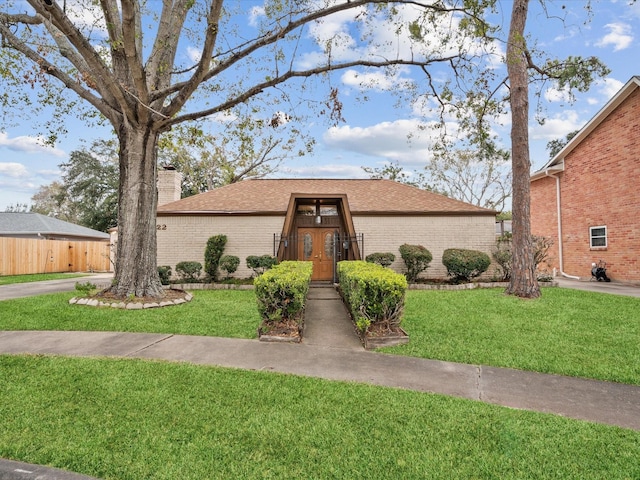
x=381, y=258
x=374, y=294
x=416, y=258
x=189, y=271
x=281, y=292
x=229, y=263
x=260, y=264
x=464, y=265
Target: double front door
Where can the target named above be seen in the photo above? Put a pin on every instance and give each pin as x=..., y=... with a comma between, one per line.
x=316, y=245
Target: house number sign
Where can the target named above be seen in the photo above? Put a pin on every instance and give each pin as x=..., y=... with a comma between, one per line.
x=161, y=226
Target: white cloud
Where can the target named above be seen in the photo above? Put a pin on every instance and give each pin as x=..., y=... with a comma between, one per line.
x=556, y=95
x=388, y=37
x=402, y=140
x=194, y=54
x=608, y=87
x=619, y=36
x=558, y=126
x=376, y=80
x=87, y=16
x=330, y=170
x=29, y=145
x=254, y=15
x=13, y=170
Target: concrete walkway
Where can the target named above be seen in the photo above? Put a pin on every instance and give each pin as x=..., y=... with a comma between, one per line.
x=332, y=350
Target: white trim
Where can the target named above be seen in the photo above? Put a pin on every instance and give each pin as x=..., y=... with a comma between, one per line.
x=593, y=237
x=559, y=212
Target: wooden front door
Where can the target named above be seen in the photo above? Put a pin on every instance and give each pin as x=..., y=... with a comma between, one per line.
x=316, y=245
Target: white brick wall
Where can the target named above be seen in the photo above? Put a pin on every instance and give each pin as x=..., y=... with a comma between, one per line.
x=169, y=186
x=183, y=238
x=436, y=234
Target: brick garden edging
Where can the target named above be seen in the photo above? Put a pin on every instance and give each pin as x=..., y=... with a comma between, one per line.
x=469, y=286
x=209, y=286
x=124, y=305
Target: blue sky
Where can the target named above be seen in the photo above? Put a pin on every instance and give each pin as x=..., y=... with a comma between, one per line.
x=376, y=129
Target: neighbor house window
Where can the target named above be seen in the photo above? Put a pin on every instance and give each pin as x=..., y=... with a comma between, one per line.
x=598, y=236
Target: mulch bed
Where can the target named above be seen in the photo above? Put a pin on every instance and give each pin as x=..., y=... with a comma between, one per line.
x=284, y=331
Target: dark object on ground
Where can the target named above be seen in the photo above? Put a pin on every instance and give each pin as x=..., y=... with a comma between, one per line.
x=599, y=271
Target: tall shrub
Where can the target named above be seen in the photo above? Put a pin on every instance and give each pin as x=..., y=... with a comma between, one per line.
x=416, y=258
x=212, y=254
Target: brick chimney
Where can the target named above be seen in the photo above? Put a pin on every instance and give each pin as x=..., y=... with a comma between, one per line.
x=169, y=185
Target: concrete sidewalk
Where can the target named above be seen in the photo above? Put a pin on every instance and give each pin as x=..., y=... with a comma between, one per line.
x=596, y=401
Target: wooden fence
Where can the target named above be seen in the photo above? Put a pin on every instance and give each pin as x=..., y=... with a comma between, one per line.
x=22, y=256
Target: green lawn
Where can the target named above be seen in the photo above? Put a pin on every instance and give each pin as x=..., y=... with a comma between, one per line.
x=567, y=332
x=221, y=313
x=131, y=420
x=37, y=277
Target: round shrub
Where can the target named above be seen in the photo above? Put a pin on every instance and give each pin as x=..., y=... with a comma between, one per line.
x=229, y=263
x=385, y=258
x=464, y=265
x=189, y=271
x=260, y=264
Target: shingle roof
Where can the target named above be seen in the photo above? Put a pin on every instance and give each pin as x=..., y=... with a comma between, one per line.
x=271, y=196
x=18, y=223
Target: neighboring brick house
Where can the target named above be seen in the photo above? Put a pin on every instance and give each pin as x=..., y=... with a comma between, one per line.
x=587, y=198
x=317, y=220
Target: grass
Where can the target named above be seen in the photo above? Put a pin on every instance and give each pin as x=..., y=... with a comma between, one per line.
x=133, y=419
x=37, y=277
x=221, y=313
x=567, y=332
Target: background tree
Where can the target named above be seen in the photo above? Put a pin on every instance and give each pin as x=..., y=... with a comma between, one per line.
x=554, y=146
x=91, y=186
x=143, y=88
x=393, y=171
x=51, y=200
x=472, y=176
x=17, y=208
x=248, y=148
x=88, y=191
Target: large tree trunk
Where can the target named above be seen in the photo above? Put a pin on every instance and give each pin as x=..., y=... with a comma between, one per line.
x=524, y=282
x=136, y=270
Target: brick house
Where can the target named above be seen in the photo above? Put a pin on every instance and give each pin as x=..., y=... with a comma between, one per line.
x=587, y=197
x=316, y=219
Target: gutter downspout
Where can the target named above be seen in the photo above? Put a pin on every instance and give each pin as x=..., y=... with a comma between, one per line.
x=546, y=172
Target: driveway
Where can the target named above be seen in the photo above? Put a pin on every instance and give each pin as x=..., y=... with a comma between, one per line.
x=20, y=290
